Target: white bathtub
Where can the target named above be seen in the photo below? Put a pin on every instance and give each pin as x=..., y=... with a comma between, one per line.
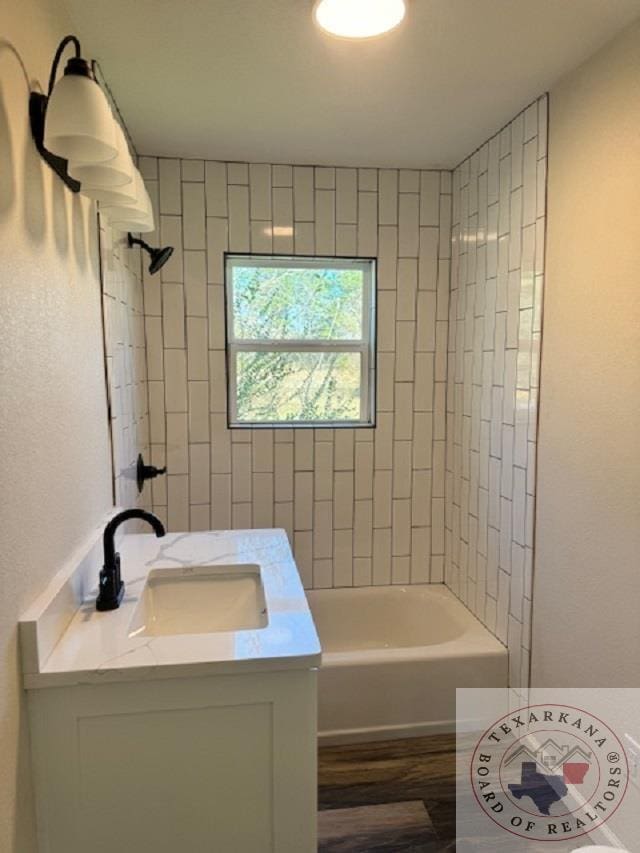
x=392, y=658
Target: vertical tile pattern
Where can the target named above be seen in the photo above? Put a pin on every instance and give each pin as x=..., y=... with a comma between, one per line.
x=497, y=271
x=359, y=506
x=127, y=362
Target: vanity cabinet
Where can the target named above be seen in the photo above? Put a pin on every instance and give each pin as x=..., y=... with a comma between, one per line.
x=179, y=723
x=211, y=764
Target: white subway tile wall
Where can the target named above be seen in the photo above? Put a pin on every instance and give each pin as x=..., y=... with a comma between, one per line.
x=126, y=363
x=499, y=204
x=360, y=506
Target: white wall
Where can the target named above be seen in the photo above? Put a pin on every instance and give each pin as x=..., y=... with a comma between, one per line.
x=360, y=506
x=56, y=477
x=586, y=626
x=492, y=398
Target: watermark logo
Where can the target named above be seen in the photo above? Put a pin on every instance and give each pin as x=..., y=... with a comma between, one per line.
x=549, y=772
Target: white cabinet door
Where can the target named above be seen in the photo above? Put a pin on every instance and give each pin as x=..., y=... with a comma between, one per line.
x=196, y=765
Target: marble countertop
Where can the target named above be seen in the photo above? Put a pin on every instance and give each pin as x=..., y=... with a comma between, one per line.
x=97, y=647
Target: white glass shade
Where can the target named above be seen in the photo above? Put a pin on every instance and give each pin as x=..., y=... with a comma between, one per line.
x=122, y=196
x=117, y=172
x=79, y=125
x=139, y=223
x=137, y=216
x=358, y=18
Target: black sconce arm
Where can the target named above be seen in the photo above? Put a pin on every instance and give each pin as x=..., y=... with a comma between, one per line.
x=56, y=59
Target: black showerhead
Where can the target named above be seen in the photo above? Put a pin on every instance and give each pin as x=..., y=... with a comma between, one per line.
x=159, y=257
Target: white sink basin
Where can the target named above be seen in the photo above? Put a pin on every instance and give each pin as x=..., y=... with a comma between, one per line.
x=200, y=600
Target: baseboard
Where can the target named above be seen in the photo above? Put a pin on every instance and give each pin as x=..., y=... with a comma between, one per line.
x=396, y=732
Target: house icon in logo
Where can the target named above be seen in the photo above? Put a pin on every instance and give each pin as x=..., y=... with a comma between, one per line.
x=551, y=757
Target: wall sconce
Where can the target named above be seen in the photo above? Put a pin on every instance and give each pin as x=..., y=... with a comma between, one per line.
x=117, y=172
x=128, y=214
x=77, y=134
x=73, y=120
x=159, y=257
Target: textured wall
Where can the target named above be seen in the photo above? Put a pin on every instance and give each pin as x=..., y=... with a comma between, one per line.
x=53, y=430
x=357, y=504
x=494, y=358
x=587, y=579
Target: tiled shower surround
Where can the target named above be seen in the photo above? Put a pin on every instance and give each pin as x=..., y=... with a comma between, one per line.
x=460, y=278
x=498, y=237
x=123, y=311
x=360, y=506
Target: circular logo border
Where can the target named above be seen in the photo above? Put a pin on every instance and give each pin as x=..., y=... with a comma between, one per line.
x=529, y=708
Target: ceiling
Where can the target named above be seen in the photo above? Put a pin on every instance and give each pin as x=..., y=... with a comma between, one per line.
x=257, y=80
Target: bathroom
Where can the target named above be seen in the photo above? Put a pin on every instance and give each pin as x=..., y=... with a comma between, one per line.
x=347, y=309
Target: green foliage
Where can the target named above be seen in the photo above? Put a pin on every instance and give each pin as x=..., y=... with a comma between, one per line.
x=270, y=303
x=298, y=386
x=278, y=304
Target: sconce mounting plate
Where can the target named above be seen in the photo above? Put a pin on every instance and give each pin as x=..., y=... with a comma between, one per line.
x=37, y=110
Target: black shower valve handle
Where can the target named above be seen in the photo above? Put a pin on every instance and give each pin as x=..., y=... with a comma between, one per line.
x=146, y=472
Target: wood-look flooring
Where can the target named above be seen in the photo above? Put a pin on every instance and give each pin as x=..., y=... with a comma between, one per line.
x=377, y=829
x=411, y=785
x=399, y=796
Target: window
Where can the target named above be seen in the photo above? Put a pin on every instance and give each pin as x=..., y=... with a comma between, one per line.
x=300, y=341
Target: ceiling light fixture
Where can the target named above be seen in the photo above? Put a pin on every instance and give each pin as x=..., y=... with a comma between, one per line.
x=358, y=19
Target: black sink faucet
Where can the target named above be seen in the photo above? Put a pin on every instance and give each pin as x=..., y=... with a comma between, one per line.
x=111, y=584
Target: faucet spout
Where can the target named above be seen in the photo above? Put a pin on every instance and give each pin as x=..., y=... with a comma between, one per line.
x=111, y=589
